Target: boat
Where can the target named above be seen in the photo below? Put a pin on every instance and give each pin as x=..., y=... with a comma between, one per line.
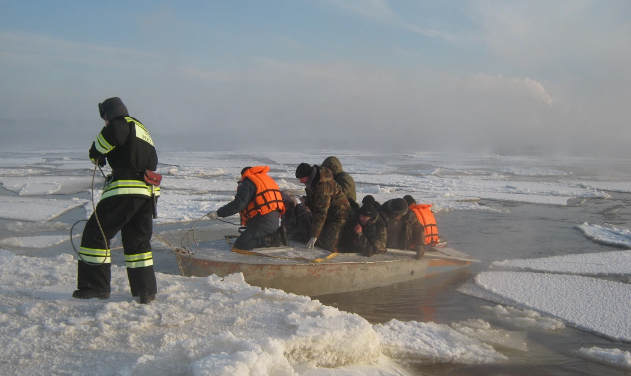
x=313, y=272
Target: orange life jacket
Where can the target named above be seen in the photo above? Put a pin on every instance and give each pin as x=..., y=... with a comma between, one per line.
x=267, y=198
x=426, y=217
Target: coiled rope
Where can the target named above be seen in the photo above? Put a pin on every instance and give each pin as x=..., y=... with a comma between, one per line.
x=185, y=250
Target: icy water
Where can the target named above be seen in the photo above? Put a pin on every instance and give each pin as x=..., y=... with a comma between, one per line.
x=526, y=231
x=511, y=230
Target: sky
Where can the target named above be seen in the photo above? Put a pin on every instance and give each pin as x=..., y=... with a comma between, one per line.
x=505, y=77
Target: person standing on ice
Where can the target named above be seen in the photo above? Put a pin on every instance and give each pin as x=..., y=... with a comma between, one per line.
x=126, y=205
x=260, y=205
x=329, y=206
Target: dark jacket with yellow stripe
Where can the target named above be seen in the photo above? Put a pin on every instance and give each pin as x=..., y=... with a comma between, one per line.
x=129, y=150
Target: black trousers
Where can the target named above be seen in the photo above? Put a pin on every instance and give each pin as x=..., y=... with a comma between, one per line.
x=256, y=230
x=132, y=216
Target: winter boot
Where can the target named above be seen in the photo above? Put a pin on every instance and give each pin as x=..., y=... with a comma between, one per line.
x=271, y=240
x=89, y=294
x=282, y=232
x=148, y=298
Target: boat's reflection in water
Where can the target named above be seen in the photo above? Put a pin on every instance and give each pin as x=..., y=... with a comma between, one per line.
x=419, y=300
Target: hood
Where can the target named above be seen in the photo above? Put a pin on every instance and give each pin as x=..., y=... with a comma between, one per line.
x=114, y=108
x=325, y=174
x=333, y=164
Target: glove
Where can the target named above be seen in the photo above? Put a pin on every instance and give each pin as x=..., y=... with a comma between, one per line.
x=212, y=215
x=311, y=243
x=100, y=161
x=420, y=252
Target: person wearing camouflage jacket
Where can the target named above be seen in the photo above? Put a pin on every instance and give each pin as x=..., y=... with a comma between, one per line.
x=365, y=233
x=329, y=206
x=404, y=229
x=342, y=178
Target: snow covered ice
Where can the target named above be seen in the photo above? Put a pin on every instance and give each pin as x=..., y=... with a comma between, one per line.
x=199, y=326
x=214, y=326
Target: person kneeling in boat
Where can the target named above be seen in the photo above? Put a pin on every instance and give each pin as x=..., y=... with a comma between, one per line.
x=260, y=205
x=426, y=217
x=329, y=206
x=404, y=229
x=365, y=233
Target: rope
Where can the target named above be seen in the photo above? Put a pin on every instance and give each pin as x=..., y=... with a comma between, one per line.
x=107, y=247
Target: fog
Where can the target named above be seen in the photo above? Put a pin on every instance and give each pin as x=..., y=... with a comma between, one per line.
x=506, y=78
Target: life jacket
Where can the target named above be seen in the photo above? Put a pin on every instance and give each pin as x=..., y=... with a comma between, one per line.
x=267, y=198
x=426, y=217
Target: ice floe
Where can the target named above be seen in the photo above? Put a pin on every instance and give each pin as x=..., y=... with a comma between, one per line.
x=36, y=209
x=612, y=357
x=595, y=305
x=611, y=235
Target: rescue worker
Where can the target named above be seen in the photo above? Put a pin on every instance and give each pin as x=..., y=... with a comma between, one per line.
x=329, y=206
x=404, y=229
x=342, y=178
x=260, y=205
x=424, y=215
x=126, y=205
x=365, y=233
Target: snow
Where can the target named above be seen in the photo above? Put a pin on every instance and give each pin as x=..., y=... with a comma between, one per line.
x=602, y=263
x=433, y=343
x=612, y=235
x=208, y=326
x=35, y=209
x=40, y=241
x=612, y=357
x=595, y=305
x=522, y=318
x=203, y=326
x=48, y=185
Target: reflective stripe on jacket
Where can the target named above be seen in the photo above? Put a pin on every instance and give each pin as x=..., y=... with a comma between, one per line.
x=267, y=198
x=130, y=151
x=426, y=217
x=130, y=187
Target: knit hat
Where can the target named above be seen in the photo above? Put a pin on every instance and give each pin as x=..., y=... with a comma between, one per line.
x=409, y=199
x=303, y=170
x=368, y=199
x=113, y=107
x=367, y=210
x=398, y=206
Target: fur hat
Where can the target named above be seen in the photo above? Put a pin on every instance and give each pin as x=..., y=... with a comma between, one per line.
x=303, y=170
x=409, y=199
x=367, y=210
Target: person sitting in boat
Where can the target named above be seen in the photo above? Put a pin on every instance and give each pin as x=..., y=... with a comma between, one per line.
x=424, y=215
x=365, y=233
x=297, y=218
x=370, y=199
x=329, y=206
x=404, y=229
x=343, y=179
x=260, y=205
